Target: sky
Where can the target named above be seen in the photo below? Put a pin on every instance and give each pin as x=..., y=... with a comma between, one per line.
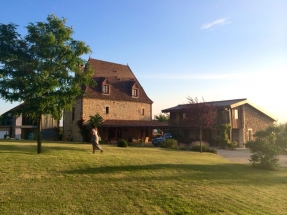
x=209, y=49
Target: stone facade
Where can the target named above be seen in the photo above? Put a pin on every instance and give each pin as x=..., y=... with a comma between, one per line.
x=254, y=121
x=83, y=108
x=122, y=110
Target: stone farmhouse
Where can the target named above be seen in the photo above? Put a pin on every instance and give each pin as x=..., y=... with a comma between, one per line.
x=119, y=99
x=244, y=117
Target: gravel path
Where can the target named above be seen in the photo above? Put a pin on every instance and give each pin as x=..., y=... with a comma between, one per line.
x=241, y=155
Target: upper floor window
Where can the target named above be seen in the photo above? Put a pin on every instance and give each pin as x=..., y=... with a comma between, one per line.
x=142, y=111
x=106, y=89
x=28, y=121
x=107, y=110
x=235, y=114
x=135, y=92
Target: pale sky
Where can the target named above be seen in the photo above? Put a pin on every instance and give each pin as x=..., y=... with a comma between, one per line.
x=214, y=49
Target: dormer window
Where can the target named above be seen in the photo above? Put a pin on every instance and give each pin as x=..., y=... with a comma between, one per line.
x=106, y=89
x=135, y=92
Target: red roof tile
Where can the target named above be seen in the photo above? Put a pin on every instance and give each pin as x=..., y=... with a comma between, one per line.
x=120, y=79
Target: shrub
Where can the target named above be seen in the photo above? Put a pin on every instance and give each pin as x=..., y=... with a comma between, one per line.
x=197, y=143
x=178, y=137
x=204, y=149
x=224, y=137
x=265, y=149
x=231, y=145
x=169, y=143
x=122, y=143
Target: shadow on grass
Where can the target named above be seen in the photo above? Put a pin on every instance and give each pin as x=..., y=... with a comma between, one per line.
x=32, y=148
x=217, y=173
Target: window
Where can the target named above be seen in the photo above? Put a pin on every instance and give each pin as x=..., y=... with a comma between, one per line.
x=135, y=92
x=106, y=89
x=235, y=114
x=28, y=121
x=142, y=111
x=250, y=134
x=73, y=113
x=107, y=110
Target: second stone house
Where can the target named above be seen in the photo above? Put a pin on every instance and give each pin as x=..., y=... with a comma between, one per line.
x=119, y=99
x=244, y=117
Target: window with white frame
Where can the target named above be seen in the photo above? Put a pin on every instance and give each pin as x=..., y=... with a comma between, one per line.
x=106, y=89
x=135, y=92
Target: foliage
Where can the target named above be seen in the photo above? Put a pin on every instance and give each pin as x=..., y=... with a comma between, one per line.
x=223, y=128
x=162, y=117
x=203, y=148
x=95, y=120
x=225, y=142
x=169, y=143
x=200, y=115
x=282, y=137
x=122, y=143
x=232, y=145
x=42, y=69
x=266, y=148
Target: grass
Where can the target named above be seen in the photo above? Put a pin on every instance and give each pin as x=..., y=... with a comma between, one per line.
x=68, y=179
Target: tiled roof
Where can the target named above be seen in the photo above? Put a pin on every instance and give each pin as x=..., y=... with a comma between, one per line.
x=120, y=79
x=133, y=123
x=221, y=104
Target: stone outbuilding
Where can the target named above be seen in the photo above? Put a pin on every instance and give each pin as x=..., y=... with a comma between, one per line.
x=244, y=117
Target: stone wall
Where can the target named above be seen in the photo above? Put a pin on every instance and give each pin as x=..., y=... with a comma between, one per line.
x=70, y=128
x=121, y=110
x=118, y=110
x=254, y=120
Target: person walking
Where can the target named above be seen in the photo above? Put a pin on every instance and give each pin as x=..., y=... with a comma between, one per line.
x=95, y=139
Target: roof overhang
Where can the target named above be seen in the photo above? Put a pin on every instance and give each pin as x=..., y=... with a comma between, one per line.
x=181, y=108
x=133, y=123
x=254, y=106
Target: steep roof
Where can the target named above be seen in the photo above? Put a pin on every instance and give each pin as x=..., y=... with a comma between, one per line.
x=223, y=104
x=121, y=80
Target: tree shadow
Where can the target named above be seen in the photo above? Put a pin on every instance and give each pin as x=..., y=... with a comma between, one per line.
x=217, y=173
x=32, y=149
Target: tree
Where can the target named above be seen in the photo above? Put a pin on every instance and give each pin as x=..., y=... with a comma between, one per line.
x=95, y=120
x=161, y=117
x=267, y=146
x=43, y=69
x=200, y=115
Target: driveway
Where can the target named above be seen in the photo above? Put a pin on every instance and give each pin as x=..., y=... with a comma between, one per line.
x=242, y=155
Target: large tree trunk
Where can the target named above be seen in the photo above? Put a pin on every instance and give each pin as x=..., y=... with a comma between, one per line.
x=39, y=140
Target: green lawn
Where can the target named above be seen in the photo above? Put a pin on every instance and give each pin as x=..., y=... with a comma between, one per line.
x=68, y=179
